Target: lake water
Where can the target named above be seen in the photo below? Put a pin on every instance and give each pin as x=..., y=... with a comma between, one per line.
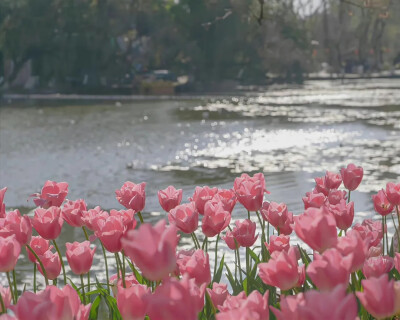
x=291, y=134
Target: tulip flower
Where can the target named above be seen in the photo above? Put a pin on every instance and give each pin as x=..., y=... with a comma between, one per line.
x=376, y=266
x=218, y=293
x=131, y=302
x=352, y=176
x=132, y=196
x=39, y=245
x=197, y=292
x=110, y=232
x=233, y=302
x=126, y=216
x=277, y=214
x=330, y=269
x=278, y=243
x=230, y=241
x=353, y=244
x=48, y=222
x=169, y=198
x=201, y=196
x=172, y=300
x=216, y=218
x=91, y=216
x=382, y=204
x=316, y=228
x=378, y=297
x=10, y=249
x=245, y=233
x=281, y=271
x=52, y=194
x=314, y=200
x=15, y=224
x=393, y=193
x=333, y=180
x=250, y=191
x=185, y=217
x=397, y=261
x=227, y=197
x=80, y=256
x=6, y=296
x=51, y=263
x=343, y=213
x=72, y=212
x=320, y=186
x=335, y=196
x=196, y=266
x=149, y=244
x=2, y=205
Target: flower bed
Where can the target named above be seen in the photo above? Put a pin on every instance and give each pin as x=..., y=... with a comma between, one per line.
x=340, y=270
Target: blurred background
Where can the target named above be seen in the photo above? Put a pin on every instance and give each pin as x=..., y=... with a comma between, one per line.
x=195, y=92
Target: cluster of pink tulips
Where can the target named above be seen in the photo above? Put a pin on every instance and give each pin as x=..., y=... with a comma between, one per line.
x=341, y=271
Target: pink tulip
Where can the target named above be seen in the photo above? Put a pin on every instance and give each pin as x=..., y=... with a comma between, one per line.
x=287, y=228
x=51, y=303
x=2, y=205
x=91, y=216
x=278, y=243
x=6, y=296
x=245, y=233
x=15, y=224
x=353, y=244
x=281, y=271
x=255, y=306
x=376, y=266
x=39, y=245
x=51, y=263
x=370, y=231
x=201, y=196
x=149, y=244
x=10, y=249
x=333, y=180
x=52, y=194
x=216, y=218
x=80, y=256
x=131, y=302
x=335, y=196
x=343, y=213
x=316, y=228
x=393, y=193
x=277, y=214
x=320, y=186
x=330, y=269
x=314, y=200
x=382, y=204
x=132, y=196
x=185, y=217
x=127, y=217
x=290, y=306
x=196, y=266
x=48, y=222
x=171, y=301
x=230, y=241
x=110, y=232
x=116, y=282
x=250, y=191
x=378, y=296
x=397, y=261
x=352, y=176
x=169, y=198
x=218, y=294
x=197, y=292
x=227, y=197
x=233, y=302
x=72, y=212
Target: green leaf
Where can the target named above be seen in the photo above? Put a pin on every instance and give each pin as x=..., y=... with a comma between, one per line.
x=76, y=288
x=94, y=310
x=254, y=256
x=218, y=274
x=304, y=256
x=138, y=276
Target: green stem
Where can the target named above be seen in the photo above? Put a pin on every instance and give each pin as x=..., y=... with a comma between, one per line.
x=140, y=217
x=247, y=270
x=40, y=263
x=348, y=199
x=248, y=214
x=216, y=256
x=123, y=269
x=105, y=261
x=118, y=269
x=83, y=289
x=15, y=285
x=204, y=243
x=268, y=232
x=34, y=278
x=240, y=267
x=195, y=241
x=398, y=219
x=11, y=287
x=85, y=232
x=387, y=241
x=3, y=307
x=61, y=260
x=236, y=267
x=397, y=231
x=262, y=224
